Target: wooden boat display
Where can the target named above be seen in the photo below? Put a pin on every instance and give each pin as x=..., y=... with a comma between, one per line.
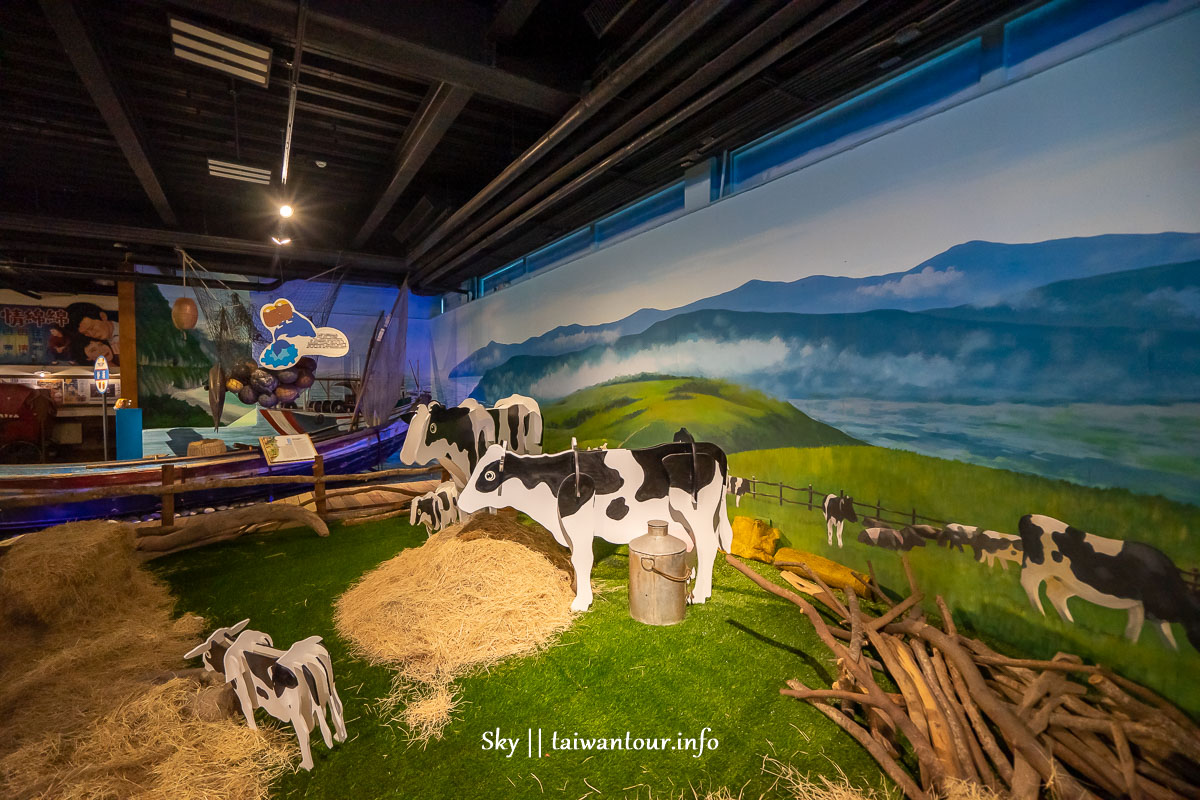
x=342, y=452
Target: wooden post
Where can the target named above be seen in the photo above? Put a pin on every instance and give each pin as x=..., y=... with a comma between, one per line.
x=810, y=497
x=127, y=325
x=878, y=508
x=168, y=500
x=319, y=485
x=781, y=493
x=914, y=516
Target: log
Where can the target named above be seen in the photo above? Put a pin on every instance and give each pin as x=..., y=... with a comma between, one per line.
x=1086, y=761
x=982, y=732
x=875, y=586
x=1125, y=760
x=348, y=521
x=895, y=611
x=861, y=672
x=893, y=769
x=224, y=525
x=807, y=587
x=1014, y=730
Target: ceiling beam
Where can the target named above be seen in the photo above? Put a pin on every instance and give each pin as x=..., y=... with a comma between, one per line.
x=369, y=47
x=811, y=28
x=98, y=81
x=80, y=229
x=437, y=113
x=511, y=17
x=689, y=21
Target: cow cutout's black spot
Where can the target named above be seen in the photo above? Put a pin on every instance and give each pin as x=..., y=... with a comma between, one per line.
x=1057, y=556
x=618, y=509
x=283, y=679
x=311, y=681
x=259, y=665
x=262, y=693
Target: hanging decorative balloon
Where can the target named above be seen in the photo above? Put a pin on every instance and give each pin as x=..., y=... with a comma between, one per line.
x=184, y=313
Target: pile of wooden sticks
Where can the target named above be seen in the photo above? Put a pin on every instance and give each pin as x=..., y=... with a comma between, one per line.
x=968, y=713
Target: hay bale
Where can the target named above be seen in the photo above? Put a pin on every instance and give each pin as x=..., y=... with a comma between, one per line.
x=471, y=596
x=151, y=746
x=88, y=635
x=60, y=574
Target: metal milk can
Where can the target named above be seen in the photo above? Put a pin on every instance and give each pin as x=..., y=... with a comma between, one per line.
x=658, y=577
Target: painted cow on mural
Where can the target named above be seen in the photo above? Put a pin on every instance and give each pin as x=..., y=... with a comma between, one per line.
x=435, y=510
x=738, y=487
x=293, y=685
x=987, y=546
x=838, y=510
x=612, y=494
x=1107, y=572
x=890, y=538
x=456, y=437
x=956, y=535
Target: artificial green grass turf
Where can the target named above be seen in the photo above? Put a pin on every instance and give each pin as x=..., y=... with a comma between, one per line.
x=721, y=668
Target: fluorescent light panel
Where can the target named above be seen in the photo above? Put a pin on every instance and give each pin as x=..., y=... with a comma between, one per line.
x=220, y=51
x=238, y=172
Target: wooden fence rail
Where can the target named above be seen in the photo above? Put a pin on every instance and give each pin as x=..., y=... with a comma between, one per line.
x=812, y=499
x=170, y=487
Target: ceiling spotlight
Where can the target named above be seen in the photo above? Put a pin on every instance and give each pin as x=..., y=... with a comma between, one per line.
x=286, y=211
x=321, y=164
x=41, y=373
x=281, y=242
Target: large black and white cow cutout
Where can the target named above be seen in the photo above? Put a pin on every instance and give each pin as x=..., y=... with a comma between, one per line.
x=293, y=685
x=1108, y=572
x=612, y=494
x=437, y=509
x=457, y=437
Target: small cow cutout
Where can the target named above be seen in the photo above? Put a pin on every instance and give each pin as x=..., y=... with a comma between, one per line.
x=293, y=685
x=437, y=509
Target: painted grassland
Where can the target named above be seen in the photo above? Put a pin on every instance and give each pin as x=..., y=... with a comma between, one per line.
x=648, y=410
x=989, y=600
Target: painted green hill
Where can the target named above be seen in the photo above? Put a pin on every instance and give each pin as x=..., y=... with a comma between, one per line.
x=642, y=411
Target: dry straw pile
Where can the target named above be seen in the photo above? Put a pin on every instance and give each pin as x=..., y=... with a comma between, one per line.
x=471, y=596
x=85, y=692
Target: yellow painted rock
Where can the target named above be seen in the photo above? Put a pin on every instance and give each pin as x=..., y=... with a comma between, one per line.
x=755, y=539
x=838, y=576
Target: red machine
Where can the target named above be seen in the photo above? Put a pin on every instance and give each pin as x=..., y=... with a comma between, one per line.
x=26, y=415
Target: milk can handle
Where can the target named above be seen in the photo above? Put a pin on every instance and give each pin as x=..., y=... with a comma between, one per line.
x=657, y=571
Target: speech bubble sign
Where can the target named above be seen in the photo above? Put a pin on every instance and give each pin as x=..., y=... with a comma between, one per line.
x=293, y=336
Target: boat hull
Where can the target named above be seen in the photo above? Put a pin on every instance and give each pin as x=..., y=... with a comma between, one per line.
x=343, y=454
x=287, y=422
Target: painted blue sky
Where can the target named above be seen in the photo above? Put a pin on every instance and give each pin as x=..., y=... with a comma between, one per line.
x=1106, y=143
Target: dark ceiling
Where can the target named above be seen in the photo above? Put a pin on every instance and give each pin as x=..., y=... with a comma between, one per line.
x=421, y=128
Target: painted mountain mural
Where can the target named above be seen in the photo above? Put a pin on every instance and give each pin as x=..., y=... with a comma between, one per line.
x=977, y=274
x=1089, y=348
x=1095, y=379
